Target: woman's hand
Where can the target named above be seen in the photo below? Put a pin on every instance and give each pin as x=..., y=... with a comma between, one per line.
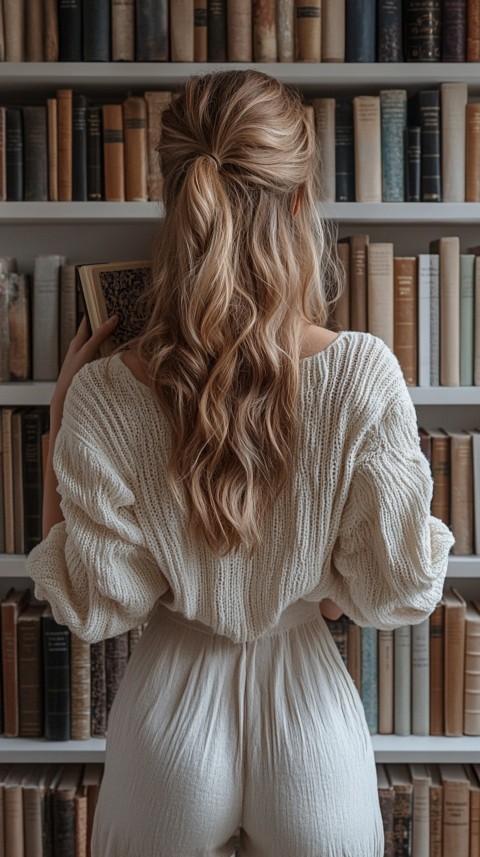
x=82, y=349
x=330, y=610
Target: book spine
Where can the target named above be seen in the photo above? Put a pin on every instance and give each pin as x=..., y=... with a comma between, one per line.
x=32, y=479
x=240, y=32
x=344, y=152
x=94, y=153
x=393, y=110
x=70, y=30
x=136, y=157
x=285, y=19
x=429, y=107
x=50, y=31
x=264, y=31
x=123, y=30
x=390, y=31
x=19, y=327
x=324, y=112
x=359, y=283
x=476, y=487
x=473, y=31
x=98, y=690
x=413, y=173
x=34, y=30
x=9, y=614
x=420, y=678
x=217, y=31
x=476, y=364
x=453, y=113
x=52, y=136
x=454, y=30
x=17, y=464
x=30, y=679
x=35, y=153
x=113, y=152
x=380, y=298
x=461, y=497
x=386, y=798
x=471, y=707
x=80, y=689
x=385, y=682
x=472, y=154
x=436, y=688
x=45, y=317
x=361, y=30
x=3, y=154
x=96, y=30
x=368, y=154
x=434, y=320
x=68, y=308
x=405, y=316
x=423, y=339
x=200, y=31
x=423, y=28
x=65, y=144
x=14, y=155
x=156, y=103
x=421, y=814
x=333, y=30
x=403, y=680
x=79, y=148
x=80, y=814
x=152, y=33
x=181, y=31
x=63, y=823
x=7, y=455
x=456, y=810
x=14, y=28
x=2, y=43
x=454, y=667
x=369, y=687
x=56, y=671
x=308, y=31
x=450, y=311
x=467, y=318
x=436, y=820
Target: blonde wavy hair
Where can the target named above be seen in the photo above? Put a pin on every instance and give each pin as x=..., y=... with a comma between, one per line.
x=235, y=277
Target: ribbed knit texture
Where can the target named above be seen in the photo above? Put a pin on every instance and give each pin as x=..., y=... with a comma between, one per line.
x=354, y=525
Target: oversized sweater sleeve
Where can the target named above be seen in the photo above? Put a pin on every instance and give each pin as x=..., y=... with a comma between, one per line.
x=94, y=568
x=390, y=558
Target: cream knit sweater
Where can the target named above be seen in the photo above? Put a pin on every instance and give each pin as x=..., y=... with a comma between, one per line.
x=355, y=525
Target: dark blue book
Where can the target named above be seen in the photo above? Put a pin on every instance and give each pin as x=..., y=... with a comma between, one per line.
x=361, y=30
x=70, y=30
x=423, y=30
x=151, y=30
x=390, y=31
x=413, y=155
x=96, y=30
x=344, y=152
x=454, y=31
x=425, y=112
x=56, y=677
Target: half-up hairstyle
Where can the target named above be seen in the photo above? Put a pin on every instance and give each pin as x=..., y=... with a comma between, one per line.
x=235, y=276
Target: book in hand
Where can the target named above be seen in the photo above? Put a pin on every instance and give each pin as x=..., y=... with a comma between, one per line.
x=115, y=288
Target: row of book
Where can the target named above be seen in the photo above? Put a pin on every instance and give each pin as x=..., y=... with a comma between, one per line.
x=55, y=685
x=390, y=147
x=426, y=809
x=244, y=31
x=419, y=679
x=73, y=148
x=426, y=307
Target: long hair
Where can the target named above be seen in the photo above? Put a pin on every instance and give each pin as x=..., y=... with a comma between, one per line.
x=235, y=277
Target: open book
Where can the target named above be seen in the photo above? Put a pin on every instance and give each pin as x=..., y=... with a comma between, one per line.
x=115, y=288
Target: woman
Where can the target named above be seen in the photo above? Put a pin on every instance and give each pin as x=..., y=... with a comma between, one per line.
x=233, y=469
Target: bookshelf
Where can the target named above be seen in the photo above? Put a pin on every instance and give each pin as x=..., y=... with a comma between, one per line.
x=88, y=232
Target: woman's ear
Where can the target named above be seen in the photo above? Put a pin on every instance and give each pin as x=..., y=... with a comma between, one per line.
x=297, y=201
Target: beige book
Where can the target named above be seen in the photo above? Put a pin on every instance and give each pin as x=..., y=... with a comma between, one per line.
x=461, y=492
x=333, y=31
x=113, y=152
x=437, y=670
x=474, y=810
x=123, y=30
x=421, y=780
x=420, y=678
x=156, y=103
x=64, y=144
x=239, y=30
x=405, y=316
x=454, y=688
x=385, y=682
x=341, y=311
x=308, y=30
x=358, y=283
x=471, y=719
x=380, y=292
x=456, y=810
x=181, y=31
x=52, y=136
x=264, y=31
x=80, y=688
x=472, y=155
x=14, y=28
x=454, y=98
x=34, y=786
x=324, y=112
x=3, y=154
x=135, y=154
x=285, y=12
x=200, y=30
x=13, y=810
x=476, y=486
x=436, y=812
x=68, y=308
x=448, y=249
x=34, y=30
x=50, y=30
x=81, y=824
x=367, y=142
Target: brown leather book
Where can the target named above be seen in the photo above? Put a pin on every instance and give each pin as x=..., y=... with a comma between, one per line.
x=455, y=610
x=18, y=499
x=308, y=30
x=98, y=690
x=80, y=689
x=64, y=809
x=354, y=654
x=474, y=779
x=181, y=31
x=473, y=31
x=405, y=301
x=340, y=315
x=385, y=682
x=90, y=786
x=2, y=40
x=358, y=282
x=156, y=103
x=471, y=714
x=34, y=30
x=19, y=327
x=64, y=144
x=10, y=608
x=472, y=181
x=264, y=31
x=239, y=31
x=7, y=467
x=437, y=669
x=123, y=30
x=52, y=135
x=421, y=781
x=441, y=473
x=448, y=249
x=81, y=824
x=386, y=799
x=135, y=154
x=436, y=812
x=324, y=112
x=461, y=492
x=333, y=30
x=30, y=677
x=14, y=27
x=380, y=291
x=3, y=154
x=200, y=31
x=400, y=778
x=50, y=30
x=286, y=30
x=368, y=156
x=113, y=152
x=456, y=809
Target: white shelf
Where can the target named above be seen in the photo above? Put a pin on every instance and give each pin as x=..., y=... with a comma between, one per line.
x=39, y=750
x=342, y=212
x=14, y=76
x=417, y=748
x=31, y=393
